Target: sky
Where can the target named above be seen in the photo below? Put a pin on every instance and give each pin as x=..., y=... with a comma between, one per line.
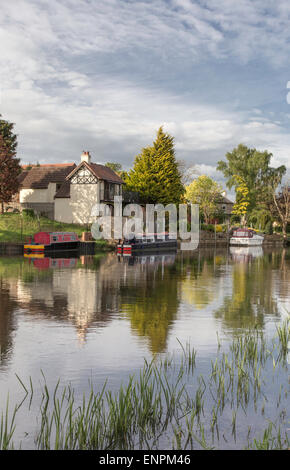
x=104, y=75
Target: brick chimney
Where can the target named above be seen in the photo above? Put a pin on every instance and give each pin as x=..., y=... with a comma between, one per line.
x=85, y=157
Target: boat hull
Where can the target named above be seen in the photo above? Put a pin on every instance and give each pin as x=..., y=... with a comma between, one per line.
x=255, y=241
x=53, y=247
x=128, y=249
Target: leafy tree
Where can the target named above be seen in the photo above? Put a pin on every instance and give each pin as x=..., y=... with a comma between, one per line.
x=188, y=172
x=7, y=132
x=262, y=219
x=240, y=208
x=206, y=192
x=9, y=171
x=254, y=168
x=280, y=207
x=155, y=175
x=117, y=167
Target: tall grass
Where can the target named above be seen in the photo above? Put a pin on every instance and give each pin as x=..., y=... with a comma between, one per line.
x=167, y=405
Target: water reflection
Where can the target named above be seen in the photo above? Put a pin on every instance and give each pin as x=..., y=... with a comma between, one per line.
x=7, y=321
x=239, y=287
x=245, y=254
x=151, y=301
x=251, y=297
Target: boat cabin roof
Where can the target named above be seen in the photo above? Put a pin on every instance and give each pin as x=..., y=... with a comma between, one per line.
x=243, y=232
x=55, y=233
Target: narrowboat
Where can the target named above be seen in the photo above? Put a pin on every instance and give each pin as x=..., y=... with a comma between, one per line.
x=46, y=242
x=246, y=237
x=152, y=242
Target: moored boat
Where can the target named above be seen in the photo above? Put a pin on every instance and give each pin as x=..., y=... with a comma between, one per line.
x=46, y=242
x=152, y=242
x=246, y=237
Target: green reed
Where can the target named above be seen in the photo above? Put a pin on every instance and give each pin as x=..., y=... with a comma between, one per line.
x=167, y=404
x=283, y=332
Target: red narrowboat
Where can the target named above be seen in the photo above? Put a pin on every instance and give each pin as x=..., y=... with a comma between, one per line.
x=46, y=242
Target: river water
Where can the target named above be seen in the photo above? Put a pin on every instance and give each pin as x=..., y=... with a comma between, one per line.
x=97, y=317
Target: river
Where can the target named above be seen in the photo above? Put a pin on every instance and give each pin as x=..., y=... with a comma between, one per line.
x=97, y=317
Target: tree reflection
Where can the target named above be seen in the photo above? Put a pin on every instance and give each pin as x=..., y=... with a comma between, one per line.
x=153, y=306
x=7, y=322
x=252, y=294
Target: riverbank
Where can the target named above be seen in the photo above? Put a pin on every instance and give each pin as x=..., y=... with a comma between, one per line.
x=15, y=229
x=206, y=240
x=223, y=239
x=14, y=249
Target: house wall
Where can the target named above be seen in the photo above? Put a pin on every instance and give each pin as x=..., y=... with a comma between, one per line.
x=226, y=208
x=63, y=210
x=77, y=209
x=40, y=200
x=83, y=198
x=38, y=195
x=41, y=208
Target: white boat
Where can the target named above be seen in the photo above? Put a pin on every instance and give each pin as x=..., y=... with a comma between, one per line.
x=246, y=237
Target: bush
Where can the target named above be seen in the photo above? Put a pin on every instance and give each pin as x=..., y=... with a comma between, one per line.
x=207, y=227
x=269, y=228
x=28, y=213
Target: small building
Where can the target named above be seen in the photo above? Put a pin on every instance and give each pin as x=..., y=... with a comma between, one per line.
x=86, y=185
x=225, y=206
x=67, y=192
x=39, y=185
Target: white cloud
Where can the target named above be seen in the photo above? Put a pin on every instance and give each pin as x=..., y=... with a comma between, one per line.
x=62, y=102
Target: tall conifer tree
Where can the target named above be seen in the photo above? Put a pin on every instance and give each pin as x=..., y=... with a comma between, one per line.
x=156, y=176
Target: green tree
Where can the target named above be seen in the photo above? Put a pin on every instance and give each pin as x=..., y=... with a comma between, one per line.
x=117, y=167
x=9, y=171
x=155, y=175
x=240, y=208
x=254, y=168
x=280, y=207
x=9, y=164
x=206, y=192
x=9, y=137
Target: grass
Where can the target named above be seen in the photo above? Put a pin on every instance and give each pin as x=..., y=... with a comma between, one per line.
x=167, y=405
x=16, y=228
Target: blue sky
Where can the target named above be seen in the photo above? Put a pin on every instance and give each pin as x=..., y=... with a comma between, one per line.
x=103, y=76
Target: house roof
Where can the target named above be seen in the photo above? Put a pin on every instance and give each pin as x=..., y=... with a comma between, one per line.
x=225, y=200
x=39, y=177
x=64, y=190
x=47, y=165
x=102, y=172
